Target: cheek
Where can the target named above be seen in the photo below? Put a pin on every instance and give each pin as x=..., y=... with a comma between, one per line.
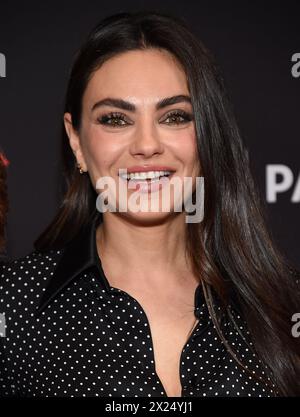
x=100, y=153
x=187, y=152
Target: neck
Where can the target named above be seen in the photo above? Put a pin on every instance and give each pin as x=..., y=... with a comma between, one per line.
x=144, y=252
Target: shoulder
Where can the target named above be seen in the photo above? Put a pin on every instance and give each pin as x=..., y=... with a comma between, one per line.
x=22, y=281
x=35, y=265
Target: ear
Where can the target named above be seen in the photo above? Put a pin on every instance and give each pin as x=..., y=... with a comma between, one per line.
x=74, y=141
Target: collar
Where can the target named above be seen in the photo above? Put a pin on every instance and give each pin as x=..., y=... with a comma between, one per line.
x=80, y=255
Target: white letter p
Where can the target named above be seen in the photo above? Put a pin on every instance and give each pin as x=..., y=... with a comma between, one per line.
x=273, y=187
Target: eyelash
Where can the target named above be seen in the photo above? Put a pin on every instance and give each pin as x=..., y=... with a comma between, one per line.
x=120, y=117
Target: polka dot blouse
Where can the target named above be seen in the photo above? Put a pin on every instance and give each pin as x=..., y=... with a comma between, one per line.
x=66, y=332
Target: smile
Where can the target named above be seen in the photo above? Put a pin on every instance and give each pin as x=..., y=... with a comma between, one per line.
x=150, y=175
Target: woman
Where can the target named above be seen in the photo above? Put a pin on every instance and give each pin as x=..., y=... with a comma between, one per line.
x=132, y=303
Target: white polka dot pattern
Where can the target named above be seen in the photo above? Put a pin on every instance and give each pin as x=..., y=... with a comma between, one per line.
x=92, y=339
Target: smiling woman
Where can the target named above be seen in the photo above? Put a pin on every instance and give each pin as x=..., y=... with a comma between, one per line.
x=154, y=128
x=132, y=303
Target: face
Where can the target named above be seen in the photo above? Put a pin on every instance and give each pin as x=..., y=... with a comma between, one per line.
x=141, y=133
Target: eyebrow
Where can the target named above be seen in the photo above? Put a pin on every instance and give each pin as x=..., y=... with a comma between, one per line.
x=126, y=105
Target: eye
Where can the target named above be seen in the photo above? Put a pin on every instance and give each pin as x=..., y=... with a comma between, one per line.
x=176, y=115
x=113, y=119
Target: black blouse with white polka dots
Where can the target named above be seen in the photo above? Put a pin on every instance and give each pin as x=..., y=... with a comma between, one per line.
x=66, y=332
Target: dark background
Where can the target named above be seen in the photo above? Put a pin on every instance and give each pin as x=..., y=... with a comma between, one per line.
x=253, y=42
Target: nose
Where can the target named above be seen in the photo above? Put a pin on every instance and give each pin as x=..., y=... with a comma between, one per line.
x=147, y=141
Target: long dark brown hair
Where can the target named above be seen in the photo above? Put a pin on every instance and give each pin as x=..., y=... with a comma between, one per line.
x=232, y=251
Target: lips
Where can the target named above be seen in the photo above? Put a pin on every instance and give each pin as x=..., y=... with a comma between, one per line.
x=147, y=168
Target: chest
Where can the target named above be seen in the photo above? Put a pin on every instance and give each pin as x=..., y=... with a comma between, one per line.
x=92, y=346
x=168, y=342
x=171, y=323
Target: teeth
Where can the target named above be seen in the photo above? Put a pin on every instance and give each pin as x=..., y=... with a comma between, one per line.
x=145, y=175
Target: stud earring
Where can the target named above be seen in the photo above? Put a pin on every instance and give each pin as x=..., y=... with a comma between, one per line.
x=79, y=167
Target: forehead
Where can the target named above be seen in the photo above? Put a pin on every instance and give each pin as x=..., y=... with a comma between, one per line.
x=141, y=76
